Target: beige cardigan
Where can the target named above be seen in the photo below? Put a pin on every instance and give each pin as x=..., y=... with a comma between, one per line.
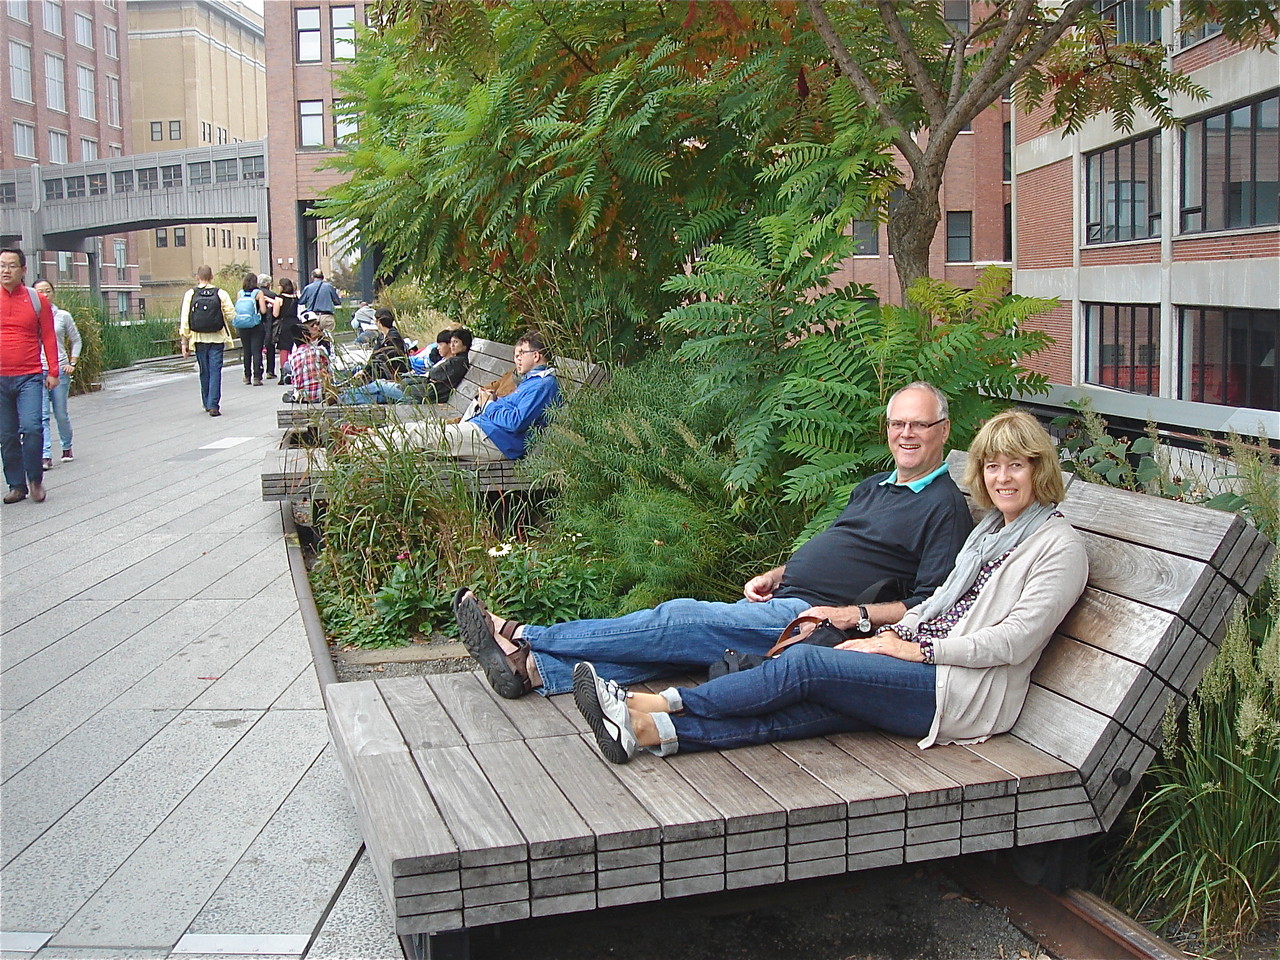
x=984, y=666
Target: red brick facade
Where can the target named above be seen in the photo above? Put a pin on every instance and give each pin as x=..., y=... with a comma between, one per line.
x=1100, y=256
x=1238, y=246
x=1055, y=362
x=1044, y=217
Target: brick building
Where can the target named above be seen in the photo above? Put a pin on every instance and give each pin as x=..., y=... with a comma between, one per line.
x=1162, y=245
x=308, y=42
x=65, y=99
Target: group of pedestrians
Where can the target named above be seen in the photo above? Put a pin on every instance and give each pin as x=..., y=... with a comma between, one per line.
x=39, y=348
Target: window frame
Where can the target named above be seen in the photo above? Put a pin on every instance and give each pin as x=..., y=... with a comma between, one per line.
x=161, y=238
x=1199, y=203
x=303, y=126
x=1095, y=346
x=30, y=129
x=866, y=234
x=66, y=146
x=157, y=131
x=313, y=34
x=347, y=37
x=175, y=129
x=958, y=217
x=113, y=102
x=86, y=96
x=15, y=71
x=110, y=41
x=92, y=144
x=199, y=173
x=179, y=236
x=1192, y=381
x=51, y=82
x=1101, y=202
x=52, y=6
x=12, y=8
x=82, y=28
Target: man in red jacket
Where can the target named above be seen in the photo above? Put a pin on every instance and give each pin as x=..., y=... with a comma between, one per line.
x=24, y=331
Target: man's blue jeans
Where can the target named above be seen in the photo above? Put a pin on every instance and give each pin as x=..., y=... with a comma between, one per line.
x=209, y=359
x=673, y=636
x=56, y=400
x=808, y=691
x=376, y=391
x=21, y=429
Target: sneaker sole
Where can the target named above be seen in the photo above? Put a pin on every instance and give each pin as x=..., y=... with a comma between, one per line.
x=584, y=695
x=477, y=636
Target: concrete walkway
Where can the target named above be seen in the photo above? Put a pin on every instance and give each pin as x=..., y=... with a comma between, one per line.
x=168, y=785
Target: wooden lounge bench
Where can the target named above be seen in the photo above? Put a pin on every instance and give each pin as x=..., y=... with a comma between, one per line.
x=296, y=470
x=477, y=810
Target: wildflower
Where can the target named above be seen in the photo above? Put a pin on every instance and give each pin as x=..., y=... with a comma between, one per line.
x=501, y=550
x=659, y=543
x=403, y=556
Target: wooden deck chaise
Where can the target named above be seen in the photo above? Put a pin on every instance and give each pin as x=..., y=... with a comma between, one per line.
x=477, y=810
x=296, y=470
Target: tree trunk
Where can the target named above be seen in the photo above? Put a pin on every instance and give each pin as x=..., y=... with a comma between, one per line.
x=912, y=226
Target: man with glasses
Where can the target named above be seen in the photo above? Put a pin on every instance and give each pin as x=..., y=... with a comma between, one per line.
x=902, y=528
x=26, y=329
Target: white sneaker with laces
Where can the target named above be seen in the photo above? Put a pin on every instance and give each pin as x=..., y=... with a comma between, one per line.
x=603, y=704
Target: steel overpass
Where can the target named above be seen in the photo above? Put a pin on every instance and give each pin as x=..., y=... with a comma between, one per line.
x=63, y=206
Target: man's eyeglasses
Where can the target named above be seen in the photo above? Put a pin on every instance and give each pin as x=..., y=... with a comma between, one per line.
x=521, y=353
x=897, y=426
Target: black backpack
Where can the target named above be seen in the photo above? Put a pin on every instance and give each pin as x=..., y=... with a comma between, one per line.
x=206, y=310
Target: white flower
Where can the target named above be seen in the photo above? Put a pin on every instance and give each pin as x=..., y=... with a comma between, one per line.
x=501, y=550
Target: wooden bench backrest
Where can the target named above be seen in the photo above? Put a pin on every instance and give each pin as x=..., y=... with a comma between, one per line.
x=1162, y=579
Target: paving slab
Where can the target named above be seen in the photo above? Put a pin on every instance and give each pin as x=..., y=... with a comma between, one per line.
x=358, y=925
x=48, y=627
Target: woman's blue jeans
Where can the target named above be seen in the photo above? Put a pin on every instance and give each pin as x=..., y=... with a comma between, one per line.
x=21, y=432
x=808, y=691
x=209, y=359
x=673, y=636
x=56, y=400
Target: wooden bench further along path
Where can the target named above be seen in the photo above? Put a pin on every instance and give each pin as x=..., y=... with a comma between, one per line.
x=477, y=810
x=296, y=471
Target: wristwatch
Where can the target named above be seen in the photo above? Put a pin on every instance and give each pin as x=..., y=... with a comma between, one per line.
x=864, y=622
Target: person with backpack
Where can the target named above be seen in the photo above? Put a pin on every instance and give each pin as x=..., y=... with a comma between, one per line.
x=321, y=297
x=207, y=317
x=26, y=331
x=250, y=329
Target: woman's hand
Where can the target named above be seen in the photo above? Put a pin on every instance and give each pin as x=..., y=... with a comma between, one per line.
x=888, y=644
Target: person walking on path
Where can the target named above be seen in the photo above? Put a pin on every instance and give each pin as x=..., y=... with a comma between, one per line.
x=322, y=298
x=207, y=315
x=69, y=344
x=285, y=312
x=266, y=307
x=26, y=330
x=250, y=329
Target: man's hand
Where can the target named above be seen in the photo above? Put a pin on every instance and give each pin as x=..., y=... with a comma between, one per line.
x=485, y=396
x=51, y=381
x=887, y=644
x=186, y=348
x=759, y=589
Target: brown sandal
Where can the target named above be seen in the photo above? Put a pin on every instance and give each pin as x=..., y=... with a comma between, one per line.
x=507, y=673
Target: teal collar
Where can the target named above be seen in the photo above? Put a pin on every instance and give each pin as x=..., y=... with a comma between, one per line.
x=915, y=486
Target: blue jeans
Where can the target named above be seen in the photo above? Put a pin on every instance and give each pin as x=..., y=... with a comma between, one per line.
x=808, y=691
x=377, y=391
x=673, y=636
x=209, y=358
x=56, y=399
x=21, y=429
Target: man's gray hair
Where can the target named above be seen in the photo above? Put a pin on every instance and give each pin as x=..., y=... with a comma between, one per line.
x=944, y=409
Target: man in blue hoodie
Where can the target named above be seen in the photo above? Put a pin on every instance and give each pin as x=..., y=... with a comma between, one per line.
x=499, y=431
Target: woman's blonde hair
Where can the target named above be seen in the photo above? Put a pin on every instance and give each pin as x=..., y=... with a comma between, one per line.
x=1015, y=433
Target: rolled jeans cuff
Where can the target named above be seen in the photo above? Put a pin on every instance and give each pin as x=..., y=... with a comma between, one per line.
x=668, y=743
x=675, y=703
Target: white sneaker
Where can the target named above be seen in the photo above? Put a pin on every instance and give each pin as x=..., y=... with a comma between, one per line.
x=603, y=704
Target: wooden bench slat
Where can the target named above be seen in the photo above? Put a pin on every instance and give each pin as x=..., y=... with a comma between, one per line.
x=466, y=698
x=471, y=808
x=418, y=714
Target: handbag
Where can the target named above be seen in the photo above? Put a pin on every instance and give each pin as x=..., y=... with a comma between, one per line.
x=825, y=634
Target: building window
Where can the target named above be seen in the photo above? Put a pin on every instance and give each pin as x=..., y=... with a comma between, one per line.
x=122, y=304
x=84, y=30
x=959, y=236
x=157, y=130
x=1229, y=356
x=239, y=243
x=64, y=265
x=252, y=168
x=19, y=10
x=110, y=42
x=123, y=181
x=162, y=237
x=86, y=92
x=308, y=23
x=75, y=188
x=342, y=22
x=53, y=17
x=97, y=184
x=1134, y=21
x=53, y=189
x=115, y=150
x=171, y=175
x=120, y=259
x=1008, y=152
x=224, y=171
x=20, y=72
x=179, y=236
x=148, y=178
x=206, y=132
x=345, y=128
x=57, y=146
x=200, y=173
x=209, y=236
x=1122, y=346
x=175, y=129
x=226, y=239
x=867, y=235
x=1231, y=168
x=8, y=193
x=24, y=140
x=1122, y=184
x=311, y=123
x=88, y=149
x=55, y=83
x=113, y=102
x=956, y=14
x=1007, y=252
x=222, y=135
x=1202, y=32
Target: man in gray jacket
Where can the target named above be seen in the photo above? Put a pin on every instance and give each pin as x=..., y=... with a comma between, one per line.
x=69, y=344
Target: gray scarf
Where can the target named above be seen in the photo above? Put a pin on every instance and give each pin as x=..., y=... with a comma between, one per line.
x=990, y=538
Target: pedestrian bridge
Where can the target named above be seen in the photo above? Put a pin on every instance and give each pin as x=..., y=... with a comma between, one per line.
x=61, y=206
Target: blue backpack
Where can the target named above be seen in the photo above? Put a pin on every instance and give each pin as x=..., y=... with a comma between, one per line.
x=247, y=314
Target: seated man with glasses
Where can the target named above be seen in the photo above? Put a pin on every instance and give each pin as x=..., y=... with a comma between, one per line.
x=903, y=527
x=499, y=431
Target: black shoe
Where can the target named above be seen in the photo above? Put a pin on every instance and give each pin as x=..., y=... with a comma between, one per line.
x=15, y=494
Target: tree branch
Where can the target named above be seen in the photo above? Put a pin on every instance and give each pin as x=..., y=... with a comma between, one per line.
x=862, y=84
x=565, y=43
x=930, y=96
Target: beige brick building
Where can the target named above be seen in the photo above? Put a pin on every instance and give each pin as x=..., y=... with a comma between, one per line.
x=199, y=78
